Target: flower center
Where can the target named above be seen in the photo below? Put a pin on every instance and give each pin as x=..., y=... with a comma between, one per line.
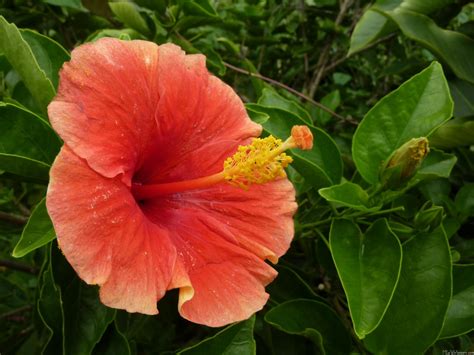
x=261, y=161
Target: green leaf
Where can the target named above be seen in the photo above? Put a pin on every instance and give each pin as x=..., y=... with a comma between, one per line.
x=369, y=267
x=314, y=320
x=256, y=116
x=454, y=133
x=108, y=32
x=113, y=342
x=270, y=98
x=85, y=317
x=22, y=59
x=436, y=164
x=28, y=145
x=451, y=47
x=463, y=96
x=289, y=285
x=198, y=8
x=127, y=12
x=332, y=101
x=373, y=25
x=415, y=109
x=73, y=4
x=50, y=310
x=320, y=166
x=369, y=28
x=348, y=194
x=416, y=313
x=49, y=54
x=460, y=316
x=465, y=200
x=235, y=339
x=38, y=231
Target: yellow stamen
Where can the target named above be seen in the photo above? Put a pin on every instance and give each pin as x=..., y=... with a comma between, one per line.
x=261, y=161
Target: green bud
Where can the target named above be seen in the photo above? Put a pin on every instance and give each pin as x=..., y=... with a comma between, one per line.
x=401, y=166
x=455, y=256
x=429, y=217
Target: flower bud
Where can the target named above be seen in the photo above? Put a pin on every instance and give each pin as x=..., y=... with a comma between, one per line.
x=404, y=162
x=429, y=217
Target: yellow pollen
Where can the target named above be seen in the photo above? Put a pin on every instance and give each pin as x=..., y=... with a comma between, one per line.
x=261, y=161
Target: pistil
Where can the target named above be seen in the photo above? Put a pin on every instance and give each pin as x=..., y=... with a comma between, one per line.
x=261, y=161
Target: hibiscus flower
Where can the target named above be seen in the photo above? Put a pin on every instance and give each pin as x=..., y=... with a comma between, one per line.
x=138, y=195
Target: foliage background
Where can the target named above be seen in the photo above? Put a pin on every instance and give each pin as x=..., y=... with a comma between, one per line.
x=321, y=62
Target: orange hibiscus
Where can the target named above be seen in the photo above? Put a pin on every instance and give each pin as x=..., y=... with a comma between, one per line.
x=140, y=197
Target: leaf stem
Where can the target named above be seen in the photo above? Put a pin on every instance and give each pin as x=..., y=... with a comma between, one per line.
x=316, y=224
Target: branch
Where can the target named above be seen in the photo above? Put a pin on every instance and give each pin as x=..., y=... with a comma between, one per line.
x=15, y=312
x=339, y=61
x=13, y=218
x=18, y=266
x=324, y=57
x=293, y=91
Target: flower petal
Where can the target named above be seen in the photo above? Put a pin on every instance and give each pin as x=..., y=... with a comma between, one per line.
x=106, y=238
x=200, y=119
x=106, y=102
x=132, y=107
x=222, y=236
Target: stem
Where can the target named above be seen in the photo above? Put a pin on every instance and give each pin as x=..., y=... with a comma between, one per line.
x=18, y=266
x=13, y=218
x=15, y=311
x=293, y=91
x=324, y=56
x=395, y=209
x=323, y=238
x=369, y=214
x=316, y=224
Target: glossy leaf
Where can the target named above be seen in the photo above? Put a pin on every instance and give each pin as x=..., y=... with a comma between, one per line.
x=270, y=98
x=50, y=310
x=332, y=101
x=437, y=164
x=198, y=8
x=320, y=166
x=314, y=320
x=289, y=285
x=415, y=109
x=465, y=200
x=451, y=47
x=38, y=231
x=454, y=133
x=463, y=96
x=127, y=12
x=416, y=313
x=369, y=267
x=85, y=317
x=371, y=26
x=22, y=58
x=235, y=339
x=460, y=316
x=348, y=194
x=73, y=4
x=28, y=145
x=113, y=342
x=49, y=54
